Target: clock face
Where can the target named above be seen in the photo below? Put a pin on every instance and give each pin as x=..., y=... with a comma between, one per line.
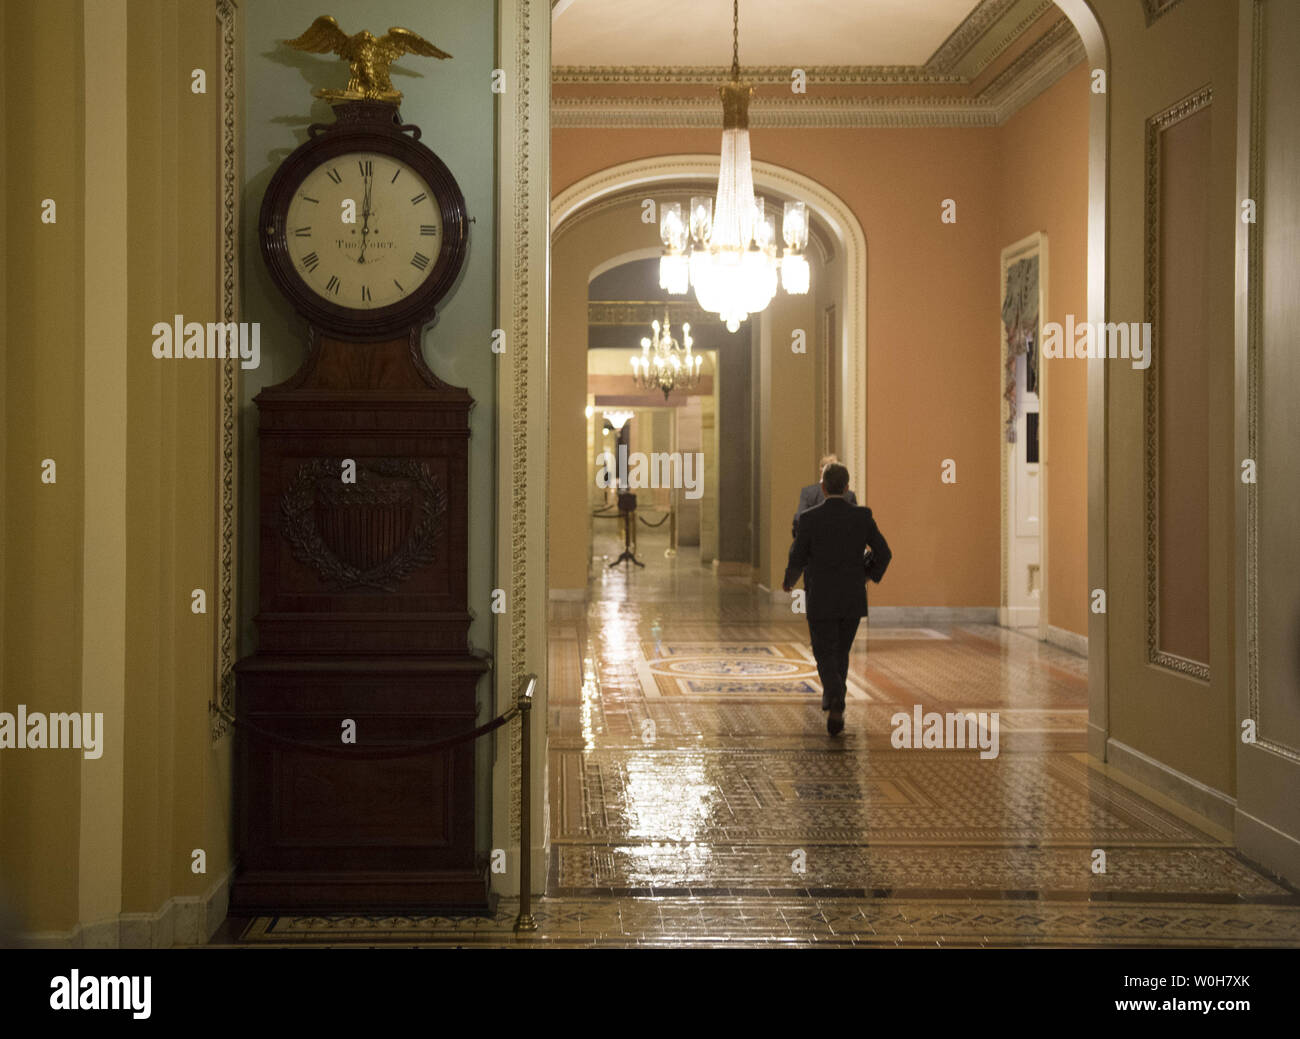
x=363, y=230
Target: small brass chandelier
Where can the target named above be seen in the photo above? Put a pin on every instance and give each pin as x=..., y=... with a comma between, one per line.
x=727, y=248
x=665, y=364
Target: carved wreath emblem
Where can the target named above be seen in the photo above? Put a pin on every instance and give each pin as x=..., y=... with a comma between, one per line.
x=373, y=533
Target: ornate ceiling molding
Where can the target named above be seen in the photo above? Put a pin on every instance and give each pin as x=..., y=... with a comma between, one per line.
x=1011, y=33
x=1041, y=65
x=1156, y=9
x=760, y=75
x=983, y=35
x=973, y=28
x=641, y=312
x=686, y=113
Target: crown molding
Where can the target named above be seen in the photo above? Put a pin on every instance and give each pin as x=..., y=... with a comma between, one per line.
x=1154, y=10
x=990, y=28
x=759, y=75
x=1041, y=65
x=640, y=312
x=1032, y=12
x=973, y=28
x=703, y=113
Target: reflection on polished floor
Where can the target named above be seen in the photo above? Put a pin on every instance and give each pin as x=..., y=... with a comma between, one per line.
x=696, y=798
x=690, y=765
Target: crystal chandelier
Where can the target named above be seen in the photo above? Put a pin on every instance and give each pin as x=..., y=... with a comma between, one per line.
x=727, y=251
x=664, y=364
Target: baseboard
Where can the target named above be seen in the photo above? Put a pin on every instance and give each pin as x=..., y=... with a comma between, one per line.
x=1068, y=640
x=1019, y=617
x=568, y=594
x=1263, y=843
x=1097, y=741
x=182, y=920
x=929, y=616
x=1215, y=805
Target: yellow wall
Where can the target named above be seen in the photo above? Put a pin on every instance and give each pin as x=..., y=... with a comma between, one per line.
x=177, y=782
x=44, y=395
x=99, y=567
x=1186, y=724
x=581, y=244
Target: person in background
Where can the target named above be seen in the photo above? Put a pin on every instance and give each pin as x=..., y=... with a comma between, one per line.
x=811, y=496
x=841, y=548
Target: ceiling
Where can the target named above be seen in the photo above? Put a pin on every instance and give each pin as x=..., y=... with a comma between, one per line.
x=634, y=64
x=772, y=32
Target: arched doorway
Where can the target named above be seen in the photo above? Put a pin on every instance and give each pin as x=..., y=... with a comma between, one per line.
x=663, y=171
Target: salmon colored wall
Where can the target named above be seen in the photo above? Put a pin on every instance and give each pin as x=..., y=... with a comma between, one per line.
x=944, y=537
x=933, y=388
x=1043, y=153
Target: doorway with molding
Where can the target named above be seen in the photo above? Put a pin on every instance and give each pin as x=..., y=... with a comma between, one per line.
x=1022, y=432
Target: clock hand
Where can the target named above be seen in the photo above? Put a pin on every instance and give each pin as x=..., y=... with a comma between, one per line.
x=365, y=217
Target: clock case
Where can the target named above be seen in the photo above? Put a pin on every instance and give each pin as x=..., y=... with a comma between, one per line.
x=363, y=595
x=363, y=126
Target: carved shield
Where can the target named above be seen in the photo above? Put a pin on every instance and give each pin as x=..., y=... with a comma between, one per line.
x=372, y=533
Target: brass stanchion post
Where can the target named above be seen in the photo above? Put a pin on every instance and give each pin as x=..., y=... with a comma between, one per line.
x=524, y=921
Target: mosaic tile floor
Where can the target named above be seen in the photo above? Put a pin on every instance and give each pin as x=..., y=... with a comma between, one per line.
x=696, y=798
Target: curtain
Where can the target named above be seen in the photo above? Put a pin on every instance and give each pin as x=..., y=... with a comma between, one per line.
x=1020, y=321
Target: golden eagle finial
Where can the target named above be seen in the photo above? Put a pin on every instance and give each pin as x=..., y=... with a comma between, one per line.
x=368, y=55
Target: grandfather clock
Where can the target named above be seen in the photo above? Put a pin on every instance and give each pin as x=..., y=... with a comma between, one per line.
x=363, y=619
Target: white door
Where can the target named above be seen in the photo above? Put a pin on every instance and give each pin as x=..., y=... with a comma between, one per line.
x=1023, y=522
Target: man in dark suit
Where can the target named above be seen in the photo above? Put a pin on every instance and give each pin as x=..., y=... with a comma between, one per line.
x=811, y=496
x=832, y=542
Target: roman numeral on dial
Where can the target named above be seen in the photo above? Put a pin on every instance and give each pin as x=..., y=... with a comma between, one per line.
x=426, y=229
x=365, y=294
x=302, y=232
x=367, y=167
x=419, y=261
x=310, y=261
x=419, y=198
x=333, y=284
x=335, y=176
